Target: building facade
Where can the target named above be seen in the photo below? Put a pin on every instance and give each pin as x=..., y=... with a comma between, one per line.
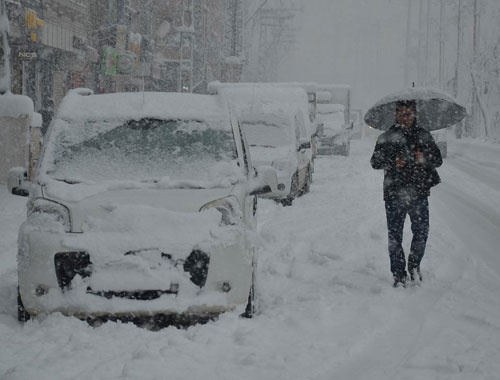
x=118, y=46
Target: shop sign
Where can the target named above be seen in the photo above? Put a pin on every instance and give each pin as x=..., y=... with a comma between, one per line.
x=126, y=63
x=28, y=55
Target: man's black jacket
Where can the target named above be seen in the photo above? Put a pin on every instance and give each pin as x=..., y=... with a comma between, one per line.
x=413, y=179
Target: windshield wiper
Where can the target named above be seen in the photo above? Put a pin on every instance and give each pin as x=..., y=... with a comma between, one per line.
x=69, y=181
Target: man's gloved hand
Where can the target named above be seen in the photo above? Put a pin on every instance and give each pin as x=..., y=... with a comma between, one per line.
x=400, y=163
x=419, y=157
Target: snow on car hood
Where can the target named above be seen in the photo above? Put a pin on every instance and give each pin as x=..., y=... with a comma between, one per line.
x=139, y=239
x=129, y=209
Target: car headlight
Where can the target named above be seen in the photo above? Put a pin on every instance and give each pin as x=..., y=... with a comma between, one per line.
x=229, y=207
x=196, y=265
x=57, y=211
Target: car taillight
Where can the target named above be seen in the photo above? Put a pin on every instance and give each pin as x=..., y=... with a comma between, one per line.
x=70, y=264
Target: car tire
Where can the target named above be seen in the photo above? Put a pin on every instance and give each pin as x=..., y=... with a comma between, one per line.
x=250, y=308
x=293, y=191
x=22, y=314
x=307, y=185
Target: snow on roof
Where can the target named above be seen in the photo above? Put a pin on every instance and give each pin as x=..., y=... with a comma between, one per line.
x=138, y=105
x=15, y=106
x=261, y=97
x=332, y=87
x=214, y=87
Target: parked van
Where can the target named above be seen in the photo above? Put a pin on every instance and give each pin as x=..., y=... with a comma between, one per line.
x=275, y=122
x=141, y=211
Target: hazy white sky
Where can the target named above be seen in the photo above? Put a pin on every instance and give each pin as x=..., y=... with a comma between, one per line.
x=356, y=42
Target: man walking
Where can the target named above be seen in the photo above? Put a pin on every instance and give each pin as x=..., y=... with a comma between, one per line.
x=409, y=157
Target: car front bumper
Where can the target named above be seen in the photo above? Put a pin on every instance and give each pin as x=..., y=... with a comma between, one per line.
x=104, y=290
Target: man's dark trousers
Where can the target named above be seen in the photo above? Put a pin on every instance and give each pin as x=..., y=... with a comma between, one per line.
x=396, y=211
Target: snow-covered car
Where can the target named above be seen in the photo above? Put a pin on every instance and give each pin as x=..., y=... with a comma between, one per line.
x=16, y=121
x=334, y=138
x=275, y=120
x=279, y=140
x=142, y=210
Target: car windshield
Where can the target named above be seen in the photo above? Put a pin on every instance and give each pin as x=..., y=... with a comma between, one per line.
x=266, y=133
x=143, y=150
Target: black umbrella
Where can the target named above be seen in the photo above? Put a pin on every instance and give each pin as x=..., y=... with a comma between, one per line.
x=435, y=109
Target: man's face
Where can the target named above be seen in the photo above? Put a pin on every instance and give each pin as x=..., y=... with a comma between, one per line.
x=405, y=116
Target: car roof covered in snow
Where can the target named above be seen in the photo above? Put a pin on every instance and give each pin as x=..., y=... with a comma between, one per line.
x=263, y=98
x=137, y=105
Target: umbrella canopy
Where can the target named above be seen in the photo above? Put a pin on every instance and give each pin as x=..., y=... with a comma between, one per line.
x=435, y=109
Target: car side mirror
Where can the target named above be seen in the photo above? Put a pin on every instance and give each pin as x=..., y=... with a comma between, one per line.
x=17, y=182
x=304, y=143
x=265, y=181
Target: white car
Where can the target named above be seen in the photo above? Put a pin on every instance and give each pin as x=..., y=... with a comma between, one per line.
x=279, y=140
x=275, y=119
x=333, y=137
x=142, y=210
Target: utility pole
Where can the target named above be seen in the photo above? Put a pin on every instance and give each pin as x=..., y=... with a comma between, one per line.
x=475, y=48
x=459, y=47
x=427, y=42
x=407, y=47
x=441, y=44
x=420, y=43
x=4, y=25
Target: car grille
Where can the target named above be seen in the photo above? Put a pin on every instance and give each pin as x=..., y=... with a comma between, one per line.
x=143, y=295
x=70, y=264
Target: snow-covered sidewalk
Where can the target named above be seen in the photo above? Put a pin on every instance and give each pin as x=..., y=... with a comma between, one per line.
x=328, y=310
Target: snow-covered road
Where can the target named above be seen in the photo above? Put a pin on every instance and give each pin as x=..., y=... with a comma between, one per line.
x=328, y=310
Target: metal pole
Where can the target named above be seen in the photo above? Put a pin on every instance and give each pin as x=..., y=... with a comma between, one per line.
x=407, y=47
x=459, y=47
x=420, y=43
x=6, y=47
x=441, y=44
x=427, y=42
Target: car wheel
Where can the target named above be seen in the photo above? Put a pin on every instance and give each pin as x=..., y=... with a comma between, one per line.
x=293, y=191
x=22, y=314
x=307, y=185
